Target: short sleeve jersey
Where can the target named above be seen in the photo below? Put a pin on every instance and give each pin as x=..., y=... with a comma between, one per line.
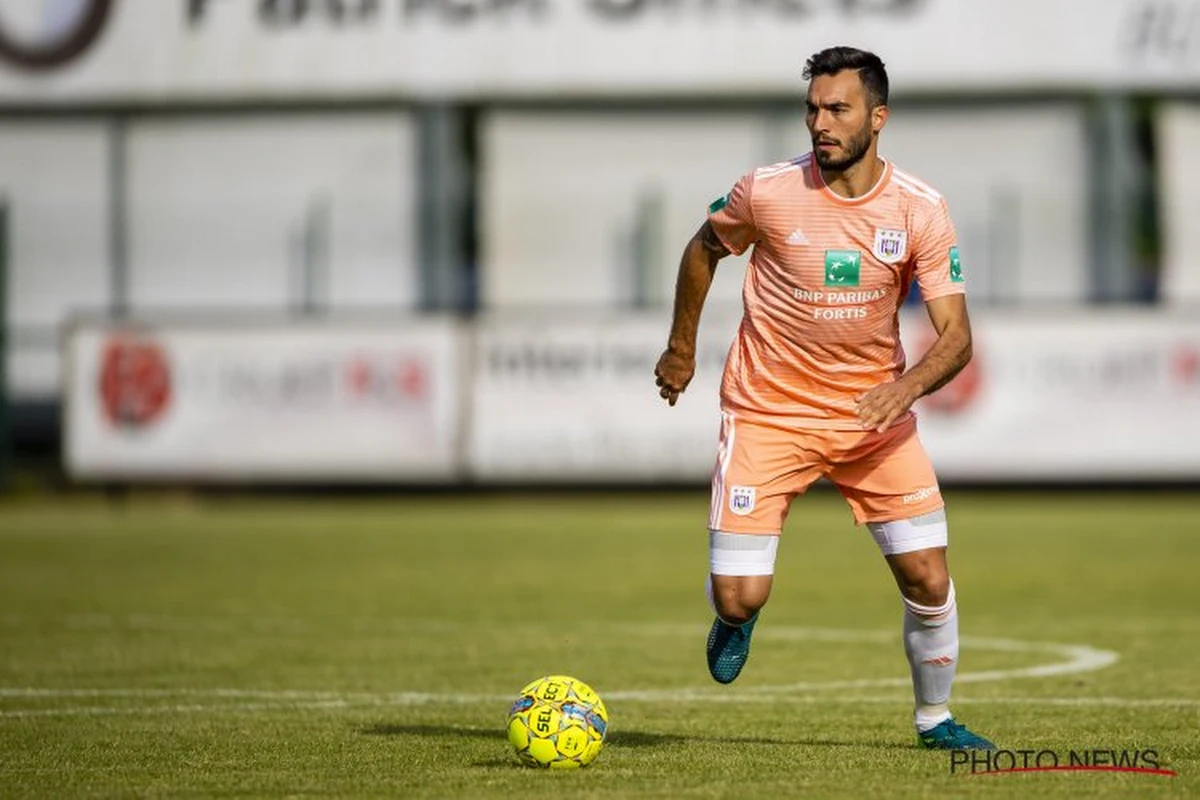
x=826, y=278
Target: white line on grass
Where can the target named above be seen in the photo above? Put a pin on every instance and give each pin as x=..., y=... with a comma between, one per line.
x=104, y=711
x=1077, y=658
x=1071, y=659
x=411, y=698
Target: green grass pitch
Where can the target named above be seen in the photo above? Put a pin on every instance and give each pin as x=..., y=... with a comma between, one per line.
x=359, y=647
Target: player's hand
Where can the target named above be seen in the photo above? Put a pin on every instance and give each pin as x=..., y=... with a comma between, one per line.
x=672, y=374
x=883, y=405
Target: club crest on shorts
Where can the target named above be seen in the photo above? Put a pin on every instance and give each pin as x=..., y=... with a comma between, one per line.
x=890, y=245
x=741, y=500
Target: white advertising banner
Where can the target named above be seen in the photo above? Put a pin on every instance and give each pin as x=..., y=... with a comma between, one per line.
x=1056, y=398
x=1077, y=396
x=571, y=400
x=147, y=50
x=1178, y=127
x=319, y=401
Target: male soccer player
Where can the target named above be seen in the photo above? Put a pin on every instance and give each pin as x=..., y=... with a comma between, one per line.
x=815, y=382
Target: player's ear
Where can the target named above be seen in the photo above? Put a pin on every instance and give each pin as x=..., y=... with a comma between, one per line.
x=879, y=118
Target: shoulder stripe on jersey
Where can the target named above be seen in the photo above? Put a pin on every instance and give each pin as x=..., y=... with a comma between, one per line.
x=915, y=181
x=772, y=171
x=931, y=197
x=782, y=167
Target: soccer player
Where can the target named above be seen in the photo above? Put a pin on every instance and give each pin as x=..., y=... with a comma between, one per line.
x=815, y=381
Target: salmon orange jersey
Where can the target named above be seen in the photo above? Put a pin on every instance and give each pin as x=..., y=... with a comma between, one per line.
x=824, y=286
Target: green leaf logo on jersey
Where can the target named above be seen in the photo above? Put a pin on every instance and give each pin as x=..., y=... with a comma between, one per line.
x=718, y=204
x=842, y=267
x=955, y=266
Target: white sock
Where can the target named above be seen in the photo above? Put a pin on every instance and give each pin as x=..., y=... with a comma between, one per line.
x=931, y=644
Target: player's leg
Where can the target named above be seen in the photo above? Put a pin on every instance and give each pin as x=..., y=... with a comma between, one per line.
x=891, y=487
x=930, y=625
x=737, y=598
x=754, y=480
x=742, y=567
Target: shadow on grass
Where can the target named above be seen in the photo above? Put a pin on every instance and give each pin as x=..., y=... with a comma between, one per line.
x=621, y=738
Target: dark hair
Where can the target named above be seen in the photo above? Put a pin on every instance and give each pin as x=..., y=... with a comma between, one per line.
x=869, y=66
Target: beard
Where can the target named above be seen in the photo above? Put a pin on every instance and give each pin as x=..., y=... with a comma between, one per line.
x=854, y=151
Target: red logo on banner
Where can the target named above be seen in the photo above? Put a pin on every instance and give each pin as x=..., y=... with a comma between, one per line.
x=135, y=382
x=413, y=380
x=404, y=379
x=1185, y=365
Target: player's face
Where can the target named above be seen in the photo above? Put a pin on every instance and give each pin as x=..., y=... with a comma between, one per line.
x=840, y=122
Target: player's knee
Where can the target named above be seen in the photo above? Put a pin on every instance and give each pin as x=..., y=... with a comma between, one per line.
x=741, y=566
x=922, y=577
x=737, y=598
x=931, y=588
x=916, y=552
x=736, y=608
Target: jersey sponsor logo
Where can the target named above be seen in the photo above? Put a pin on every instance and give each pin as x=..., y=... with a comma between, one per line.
x=956, y=273
x=741, y=500
x=797, y=237
x=842, y=267
x=718, y=204
x=890, y=245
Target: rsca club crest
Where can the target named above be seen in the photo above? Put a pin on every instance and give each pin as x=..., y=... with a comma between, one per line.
x=741, y=500
x=890, y=245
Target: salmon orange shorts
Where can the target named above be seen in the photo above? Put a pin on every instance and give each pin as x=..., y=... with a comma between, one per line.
x=761, y=468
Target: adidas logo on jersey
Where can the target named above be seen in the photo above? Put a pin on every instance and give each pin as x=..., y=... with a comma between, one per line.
x=797, y=237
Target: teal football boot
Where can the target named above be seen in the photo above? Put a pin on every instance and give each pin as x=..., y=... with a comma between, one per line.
x=728, y=648
x=949, y=735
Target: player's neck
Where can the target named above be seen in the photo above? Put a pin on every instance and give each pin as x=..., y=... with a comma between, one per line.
x=857, y=179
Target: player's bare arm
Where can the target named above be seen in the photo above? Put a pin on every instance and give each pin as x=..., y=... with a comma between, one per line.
x=883, y=405
x=677, y=364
